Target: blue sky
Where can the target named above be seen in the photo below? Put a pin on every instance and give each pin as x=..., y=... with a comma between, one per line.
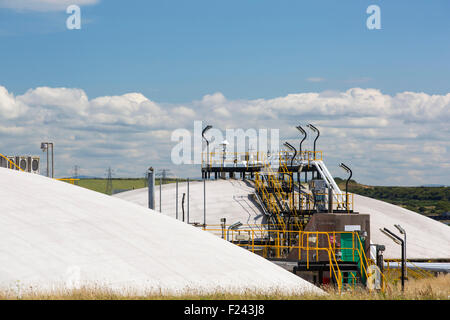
x=174, y=53
x=178, y=51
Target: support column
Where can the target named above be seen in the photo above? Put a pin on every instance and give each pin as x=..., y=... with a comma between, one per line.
x=188, y=200
x=176, y=199
x=151, y=188
x=330, y=200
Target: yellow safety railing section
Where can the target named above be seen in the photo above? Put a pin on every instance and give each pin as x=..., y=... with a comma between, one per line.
x=304, y=156
x=414, y=271
x=271, y=243
x=249, y=159
x=12, y=164
x=69, y=180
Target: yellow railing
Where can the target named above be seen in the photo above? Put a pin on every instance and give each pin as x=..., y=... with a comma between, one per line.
x=415, y=272
x=260, y=239
x=249, y=159
x=286, y=157
x=69, y=180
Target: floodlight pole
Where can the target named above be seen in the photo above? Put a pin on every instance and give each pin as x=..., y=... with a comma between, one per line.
x=343, y=166
x=176, y=199
x=187, y=200
x=207, y=146
x=204, y=203
x=315, y=140
x=305, y=135
x=44, y=147
x=291, y=175
x=53, y=162
x=48, y=172
x=403, y=232
x=400, y=241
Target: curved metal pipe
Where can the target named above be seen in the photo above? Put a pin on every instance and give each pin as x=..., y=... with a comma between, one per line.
x=343, y=166
x=207, y=143
x=318, y=135
x=290, y=146
x=291, y=176
x=305, y=135
x=315, y=140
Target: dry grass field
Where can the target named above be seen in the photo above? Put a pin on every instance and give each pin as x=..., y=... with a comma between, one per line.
x=435, y=288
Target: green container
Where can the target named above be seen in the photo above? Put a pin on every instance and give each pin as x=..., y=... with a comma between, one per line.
x=349, y=241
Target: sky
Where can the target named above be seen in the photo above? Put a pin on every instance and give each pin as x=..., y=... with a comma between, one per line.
x=112, y=93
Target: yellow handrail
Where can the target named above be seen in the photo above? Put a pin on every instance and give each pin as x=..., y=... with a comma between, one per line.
x=70, y=180
x=330, y=247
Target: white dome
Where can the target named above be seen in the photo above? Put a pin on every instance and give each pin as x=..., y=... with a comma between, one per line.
x=53, y=235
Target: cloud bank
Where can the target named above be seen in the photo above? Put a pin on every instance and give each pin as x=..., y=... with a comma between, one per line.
x=388, y=140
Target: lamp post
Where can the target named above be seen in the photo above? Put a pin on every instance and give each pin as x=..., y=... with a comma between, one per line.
x=291, y=174
x=44, y=147
x=305, y=135
x=292, y=148
x=402, y=243
x=403, y=232
x=343, y=166
x=315, y=140
x=208, y=127
x=317, y=137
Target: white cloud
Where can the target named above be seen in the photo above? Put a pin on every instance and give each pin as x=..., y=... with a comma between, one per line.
x=43, y=5
x=66, y=100
x=9, y=107
x=386, y=139
x=213, y=99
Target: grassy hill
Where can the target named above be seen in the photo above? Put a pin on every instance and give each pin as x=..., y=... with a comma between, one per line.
x=424, y=200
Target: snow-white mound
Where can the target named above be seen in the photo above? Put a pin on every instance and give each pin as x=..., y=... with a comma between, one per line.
x=56, y=235
x=426, y=238
x=224, y=199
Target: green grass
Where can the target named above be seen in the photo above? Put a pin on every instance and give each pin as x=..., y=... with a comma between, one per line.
x=99, y=185
x=423, y=200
